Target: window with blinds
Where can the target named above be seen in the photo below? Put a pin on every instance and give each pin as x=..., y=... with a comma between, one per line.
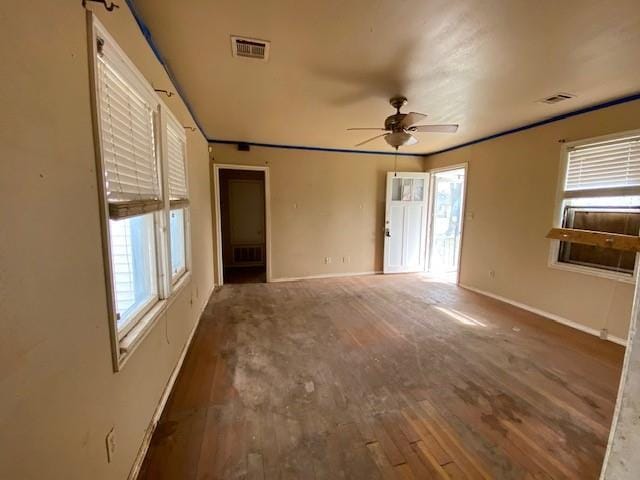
x=601, y=192
x=141, y=173
x=127, y=130
x=177, y=175
x=613, y=164
x=178, y=197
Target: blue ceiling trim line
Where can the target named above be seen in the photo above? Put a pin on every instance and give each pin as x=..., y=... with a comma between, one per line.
x=146, y=32
x=156, y=51
x=147, y=35
x=315, y=149
x=562, y=116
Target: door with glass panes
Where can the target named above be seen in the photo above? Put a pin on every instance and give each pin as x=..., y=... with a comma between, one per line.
x=405, y=222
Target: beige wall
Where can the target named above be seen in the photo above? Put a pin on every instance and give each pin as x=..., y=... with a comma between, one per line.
x=511, y=194
x=323, y=204
x=58, y=394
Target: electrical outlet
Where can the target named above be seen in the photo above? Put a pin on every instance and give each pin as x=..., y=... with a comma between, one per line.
x=327, y=260
x=111, y=445
x=492, y=274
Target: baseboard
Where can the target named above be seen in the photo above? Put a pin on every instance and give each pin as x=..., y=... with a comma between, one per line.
x=326, y=275
x=549, y=315
x=146, y=441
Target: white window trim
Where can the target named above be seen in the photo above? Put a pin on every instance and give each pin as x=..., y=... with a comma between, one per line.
x=125, y=341
x=166, y=117
x=557, y=216
x=142, y=313
x=128, y=344
x=175, y=279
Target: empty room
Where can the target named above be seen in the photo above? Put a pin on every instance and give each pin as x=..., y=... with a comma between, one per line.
x=320, y=240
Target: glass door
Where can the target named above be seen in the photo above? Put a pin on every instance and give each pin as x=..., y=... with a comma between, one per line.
x=447, y=196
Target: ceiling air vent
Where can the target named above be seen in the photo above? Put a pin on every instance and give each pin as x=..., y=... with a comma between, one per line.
x=558, y=97
x=250, y=48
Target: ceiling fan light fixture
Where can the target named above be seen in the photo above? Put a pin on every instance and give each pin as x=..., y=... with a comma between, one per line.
x=401, y=126
x=400, y=139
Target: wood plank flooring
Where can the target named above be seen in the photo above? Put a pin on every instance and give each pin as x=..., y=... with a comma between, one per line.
x=383, y=377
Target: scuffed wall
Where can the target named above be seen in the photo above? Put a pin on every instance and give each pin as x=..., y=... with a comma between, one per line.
x=60, y=395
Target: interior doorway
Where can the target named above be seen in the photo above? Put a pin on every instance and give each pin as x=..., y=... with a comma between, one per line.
x=447, y=194
x=242, y=231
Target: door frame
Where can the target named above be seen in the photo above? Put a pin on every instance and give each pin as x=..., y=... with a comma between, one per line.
x=431, y=207
x=425, y=216
x=218, y=217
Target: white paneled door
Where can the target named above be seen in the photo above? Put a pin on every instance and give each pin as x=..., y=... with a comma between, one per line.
x=405, y=222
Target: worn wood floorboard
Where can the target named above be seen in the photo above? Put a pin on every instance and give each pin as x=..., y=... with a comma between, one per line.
x=383, y=377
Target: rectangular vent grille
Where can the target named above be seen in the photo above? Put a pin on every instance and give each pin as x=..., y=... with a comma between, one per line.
x=558, y=97
x=247, y=255
x=250, y=48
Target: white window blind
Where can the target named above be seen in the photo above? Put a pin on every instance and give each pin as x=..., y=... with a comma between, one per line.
x=127, y=131
x=612, y=165
x=177, y=177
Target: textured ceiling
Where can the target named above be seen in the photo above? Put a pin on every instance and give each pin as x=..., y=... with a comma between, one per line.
x=335, y=63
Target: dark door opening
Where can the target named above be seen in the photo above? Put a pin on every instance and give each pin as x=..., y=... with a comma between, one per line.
x=242, y=211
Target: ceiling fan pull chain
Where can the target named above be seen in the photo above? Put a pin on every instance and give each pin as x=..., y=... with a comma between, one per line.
x=395, y=163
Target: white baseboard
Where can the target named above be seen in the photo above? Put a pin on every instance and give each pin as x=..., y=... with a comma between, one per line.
x=326, y=275
x=549, y=315
x=146, y=441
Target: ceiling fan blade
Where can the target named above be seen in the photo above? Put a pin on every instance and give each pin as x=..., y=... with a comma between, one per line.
x=412, y=118
x=366, y=128
x=371, y=139
x=451, y=128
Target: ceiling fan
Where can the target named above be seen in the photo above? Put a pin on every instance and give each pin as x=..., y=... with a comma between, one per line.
x=400, y=127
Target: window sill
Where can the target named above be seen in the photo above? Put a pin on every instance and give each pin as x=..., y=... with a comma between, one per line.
x=134, y=337
x=596, y=272
x=179, y=279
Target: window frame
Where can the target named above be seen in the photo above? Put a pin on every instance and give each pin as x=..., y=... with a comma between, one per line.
x=166, y=119
x=144, y=309
x=175, y=278
x=124, y=341
x=561, y=196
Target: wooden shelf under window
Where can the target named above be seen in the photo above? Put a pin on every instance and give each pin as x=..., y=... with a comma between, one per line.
x=617, y=241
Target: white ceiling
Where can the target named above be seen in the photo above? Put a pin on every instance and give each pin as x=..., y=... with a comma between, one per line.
x=334, y=63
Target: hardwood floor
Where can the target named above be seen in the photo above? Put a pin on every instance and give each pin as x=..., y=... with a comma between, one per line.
x=390, y=377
